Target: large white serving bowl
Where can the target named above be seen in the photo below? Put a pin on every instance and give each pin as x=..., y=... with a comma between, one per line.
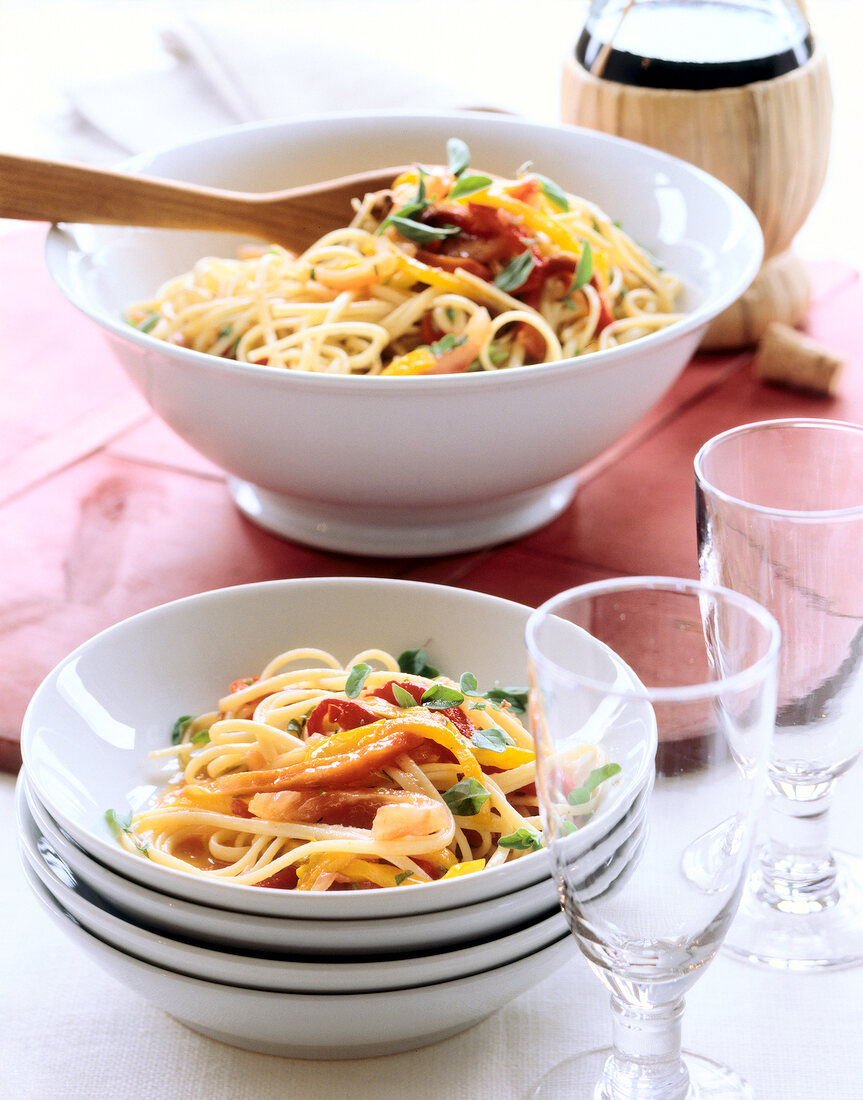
x=304, y=1025
x=249, y=932
x=92, y=724
x=418, y=465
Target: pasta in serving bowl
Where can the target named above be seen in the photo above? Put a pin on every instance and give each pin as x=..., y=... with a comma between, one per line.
x=447, y=271
x=419, y=457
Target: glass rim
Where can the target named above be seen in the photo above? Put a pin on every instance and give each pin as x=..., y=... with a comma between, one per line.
x=802, y=514
x=708, y=689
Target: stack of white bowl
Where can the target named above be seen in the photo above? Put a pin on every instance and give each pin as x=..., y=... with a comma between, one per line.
x=345, y=986
x=318, y=975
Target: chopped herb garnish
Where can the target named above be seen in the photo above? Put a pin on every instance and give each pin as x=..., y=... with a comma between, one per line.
x=458, y=156
x=497, y=353
x=579, y=795
x=179, y=728
x=403, y=697
x=515, y=697
x=494, y=739
x=446, y=343
x=202, y=737
x=584, y=271
x=516, y=272
x=415, y=663
x=469, y=185
x=120, y=824
x=466, y=798
x=524, y=839
x=441, y=697
x=553, y=193
x=420, y=233
x=147, y=322
x=296, y=725
x=401, y=877
x=356, y=679
x=467, y=683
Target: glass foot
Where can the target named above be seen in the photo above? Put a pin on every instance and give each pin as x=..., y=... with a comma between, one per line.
x=777, y=936
x=581, y=1078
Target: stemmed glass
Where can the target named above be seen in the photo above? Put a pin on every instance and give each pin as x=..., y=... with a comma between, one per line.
x=674, y=683
x=780, y=518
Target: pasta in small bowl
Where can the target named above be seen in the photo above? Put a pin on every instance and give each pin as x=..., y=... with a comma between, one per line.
x=320, y=796
x=429, y=376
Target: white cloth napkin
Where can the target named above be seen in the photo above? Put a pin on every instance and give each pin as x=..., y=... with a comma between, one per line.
x=227, y=63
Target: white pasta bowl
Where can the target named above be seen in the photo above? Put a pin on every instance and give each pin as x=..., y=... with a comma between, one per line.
x=292, y=972
x=322, y=1025
x=424, y=464
x=90, y=729
x=383, y=937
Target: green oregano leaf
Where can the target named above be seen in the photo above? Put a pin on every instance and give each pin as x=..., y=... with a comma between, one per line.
x=179, y=728
x=494, y=739
x=420, y=233
x=458, y=156
x=356, y=678
x=123, y=824
x=516, y=272
x=441, y=697
x=415, y=663
x=524, y=839
x=403, y=697
x=553, y=193
x=466, y=798
x=469, y=185
x=515, y=697
x=584, y=271
x=579, y=795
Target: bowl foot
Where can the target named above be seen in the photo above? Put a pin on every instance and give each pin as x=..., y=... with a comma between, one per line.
x=402, y=532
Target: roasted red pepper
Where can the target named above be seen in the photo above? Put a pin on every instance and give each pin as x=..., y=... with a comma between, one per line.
x=343, y=714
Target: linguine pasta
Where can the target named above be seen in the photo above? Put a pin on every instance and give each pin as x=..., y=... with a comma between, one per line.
x=315, y=776
x=444, y=272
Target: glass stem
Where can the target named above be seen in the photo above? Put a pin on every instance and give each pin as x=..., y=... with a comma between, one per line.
x=797, y=869
x=646, y=1063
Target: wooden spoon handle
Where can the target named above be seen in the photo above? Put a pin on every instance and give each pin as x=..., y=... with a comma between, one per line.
x=42, y=190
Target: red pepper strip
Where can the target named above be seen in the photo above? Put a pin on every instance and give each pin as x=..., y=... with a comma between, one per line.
x=343, y=714
x=605, y=313
x=525, y=191
x=488, y=235
x=454, y=263
x=243, y=682
x=455, y=714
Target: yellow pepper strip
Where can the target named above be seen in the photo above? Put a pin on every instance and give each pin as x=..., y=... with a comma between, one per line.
x=364, y=870
x=511, y=757
x=314, y=867
x=433, y=276
x=197, y=797
x=466, y=868
x=417, y=361
x=534, y=219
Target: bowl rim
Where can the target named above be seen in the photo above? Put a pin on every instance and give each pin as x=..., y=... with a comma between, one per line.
x=61, y=241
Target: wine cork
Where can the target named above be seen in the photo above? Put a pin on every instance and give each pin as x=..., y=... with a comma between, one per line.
x=787, y=357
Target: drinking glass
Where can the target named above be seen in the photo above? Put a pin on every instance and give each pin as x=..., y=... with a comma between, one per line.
x=674, y=683
x=780, y=518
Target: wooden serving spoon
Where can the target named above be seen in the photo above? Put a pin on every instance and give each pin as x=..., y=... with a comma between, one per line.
x=33, y=189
